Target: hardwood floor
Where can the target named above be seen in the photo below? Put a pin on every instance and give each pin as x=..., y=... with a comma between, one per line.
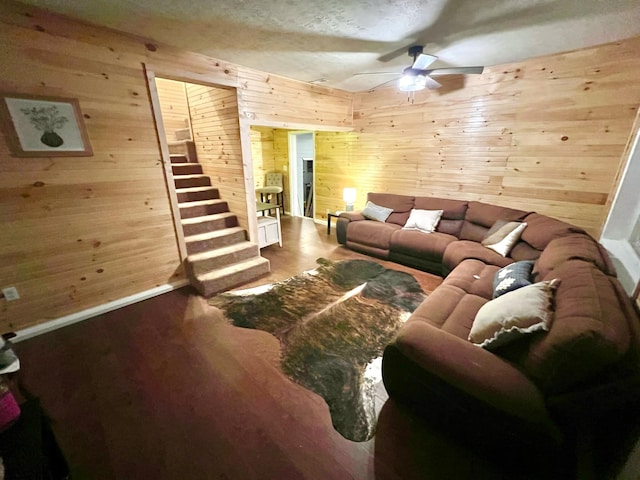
x=167, y=389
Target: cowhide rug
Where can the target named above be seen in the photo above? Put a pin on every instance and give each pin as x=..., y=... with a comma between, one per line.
x=333, y=324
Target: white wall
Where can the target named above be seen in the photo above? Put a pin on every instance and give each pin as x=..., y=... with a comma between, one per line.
x=622, y=223
x=304, y=148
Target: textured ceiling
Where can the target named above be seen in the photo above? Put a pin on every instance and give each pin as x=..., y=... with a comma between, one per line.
x=328, y=41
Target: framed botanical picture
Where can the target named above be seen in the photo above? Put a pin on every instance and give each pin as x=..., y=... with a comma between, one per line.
x=37, y=126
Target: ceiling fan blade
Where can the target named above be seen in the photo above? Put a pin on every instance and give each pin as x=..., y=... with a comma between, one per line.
x=423, y=61
x=381, y=85
x=455, y=71
x=432, y=84
x=375, y=73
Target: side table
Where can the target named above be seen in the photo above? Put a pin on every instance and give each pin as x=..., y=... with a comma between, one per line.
x=330, y=215
x=269, y=228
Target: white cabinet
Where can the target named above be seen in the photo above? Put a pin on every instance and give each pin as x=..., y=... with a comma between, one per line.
x=269, y=231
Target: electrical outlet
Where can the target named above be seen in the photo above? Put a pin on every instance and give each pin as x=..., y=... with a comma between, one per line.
x=10, y=293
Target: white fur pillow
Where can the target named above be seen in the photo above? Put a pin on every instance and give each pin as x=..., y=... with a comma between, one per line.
x=504, y=319
x=503, y=236
x=424, y=221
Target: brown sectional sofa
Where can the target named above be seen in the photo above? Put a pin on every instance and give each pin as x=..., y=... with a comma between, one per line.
x=538, y=388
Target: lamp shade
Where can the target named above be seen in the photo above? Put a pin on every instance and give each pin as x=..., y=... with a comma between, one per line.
x=349, y=195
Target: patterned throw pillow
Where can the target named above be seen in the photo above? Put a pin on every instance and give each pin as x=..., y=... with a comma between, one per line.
x=512, y=277
x=503, y=236
x=376, y=212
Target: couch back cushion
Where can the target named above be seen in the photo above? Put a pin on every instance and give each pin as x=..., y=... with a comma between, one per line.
x=589, y=331
x=542, y=229
x=401, y=205
x=453, y=213
x=572, y=247
x=523, y=251
x=480, y=217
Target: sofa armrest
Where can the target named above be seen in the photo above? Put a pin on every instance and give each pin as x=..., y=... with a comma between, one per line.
x=341, y=224
x=445, y=374
x=353, y=216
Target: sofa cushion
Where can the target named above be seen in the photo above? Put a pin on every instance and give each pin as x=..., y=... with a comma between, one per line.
x=417, y=244
x=376, y=212
x=572, y=247
x=504, y=319
x=401, y=205
x=542, y=229
x=453, y=212
x=480, y=217
x=451, y=379
x=502, y=236
x=424, y=221
x=473, y=276
x=523, y=251
x=512, y=277
x=375, y=234
x=461, y=250
x=450, y=309
x=589, y=330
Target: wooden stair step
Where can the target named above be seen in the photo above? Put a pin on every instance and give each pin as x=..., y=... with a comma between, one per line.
x=217, y=239
x=186, y=181
x=178, y=158
x=200, y=208
x=208, y=223
x=186, y=168
x=192, y=194
x=231, y=276
x=203, y=262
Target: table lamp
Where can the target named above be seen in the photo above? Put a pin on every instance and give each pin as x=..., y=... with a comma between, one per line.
x=349, y=197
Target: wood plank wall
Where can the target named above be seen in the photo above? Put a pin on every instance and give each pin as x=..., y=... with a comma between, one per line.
x=216, y=132
x=281, y=162
x=175, y=108
x=266, y=100
x=262, y=153
x=546, y=134
x=334, y=170
x=80, y=232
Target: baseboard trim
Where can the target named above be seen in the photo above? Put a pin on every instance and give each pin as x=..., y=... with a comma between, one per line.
x=95, y=311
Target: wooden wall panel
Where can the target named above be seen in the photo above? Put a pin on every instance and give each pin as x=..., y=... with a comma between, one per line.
x=281, y=162
x=546, y=134
x=175, y=108
x=216, y=132
x=262, y=153
x=81, y=232
x=334, y=151
x=267, y=99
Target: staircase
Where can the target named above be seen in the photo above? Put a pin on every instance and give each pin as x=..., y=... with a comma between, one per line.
x=219, y=257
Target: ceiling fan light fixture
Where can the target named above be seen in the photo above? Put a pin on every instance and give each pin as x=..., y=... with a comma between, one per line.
x=412, y=82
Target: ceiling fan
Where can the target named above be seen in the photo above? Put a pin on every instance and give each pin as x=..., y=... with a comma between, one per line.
x=418, y=76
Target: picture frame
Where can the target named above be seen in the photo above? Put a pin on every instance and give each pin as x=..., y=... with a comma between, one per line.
x=43, y=126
